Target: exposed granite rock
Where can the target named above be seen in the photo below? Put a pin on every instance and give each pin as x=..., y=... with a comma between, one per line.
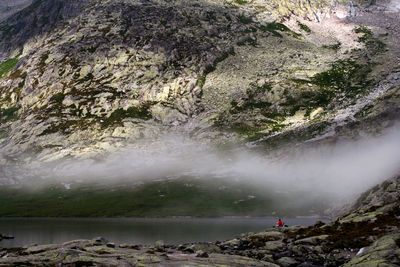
x=87, y=252
x=91, y=75
x=383, y=252
x=370, y=227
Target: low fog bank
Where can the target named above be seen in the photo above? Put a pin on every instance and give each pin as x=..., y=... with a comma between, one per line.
x=341, y=171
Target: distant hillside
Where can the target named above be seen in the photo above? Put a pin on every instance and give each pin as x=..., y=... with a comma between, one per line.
x=8, y=8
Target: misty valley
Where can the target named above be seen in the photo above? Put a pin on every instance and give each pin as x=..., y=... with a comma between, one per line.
x=200, y=133
x=181, y=177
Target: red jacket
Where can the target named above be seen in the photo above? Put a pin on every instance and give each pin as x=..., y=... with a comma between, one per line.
x=280, y=223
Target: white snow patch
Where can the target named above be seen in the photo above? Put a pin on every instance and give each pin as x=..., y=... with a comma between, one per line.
x=360, y=251
x=341, y=15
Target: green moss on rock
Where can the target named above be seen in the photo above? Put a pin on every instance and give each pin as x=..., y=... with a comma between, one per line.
x=8, y=65
x=57, y=98
x=275, y=28
x=8, y=114
x=142, y=112
x=304, y=27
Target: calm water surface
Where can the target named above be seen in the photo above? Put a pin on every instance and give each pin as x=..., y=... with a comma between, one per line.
x=134, y=230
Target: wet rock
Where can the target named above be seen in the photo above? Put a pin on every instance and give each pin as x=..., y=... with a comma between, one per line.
x=130, y=246
x=159, y=243
x=110, y=245
x=274, y=245
x=267, y=236
x=188, y=249
x=307, y=264
x=150, y=251
x=315, y=240
x=268, y=258
x=201, y=254
x=319, y=224
x=102, y=249
x=100, y=240
x=287, y=262
x=40, y=249
x=208, y=247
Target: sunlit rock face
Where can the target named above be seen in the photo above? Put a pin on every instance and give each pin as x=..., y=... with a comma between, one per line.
x=84, y=77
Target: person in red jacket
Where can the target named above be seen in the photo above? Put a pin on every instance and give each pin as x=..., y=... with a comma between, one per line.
x=280, y=223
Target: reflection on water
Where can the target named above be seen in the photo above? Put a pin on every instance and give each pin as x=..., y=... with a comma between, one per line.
x=133, y=230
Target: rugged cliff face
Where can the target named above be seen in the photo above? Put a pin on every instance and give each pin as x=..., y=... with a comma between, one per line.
x=87, y=76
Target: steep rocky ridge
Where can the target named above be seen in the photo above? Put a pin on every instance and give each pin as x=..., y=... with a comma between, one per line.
x=90, y=76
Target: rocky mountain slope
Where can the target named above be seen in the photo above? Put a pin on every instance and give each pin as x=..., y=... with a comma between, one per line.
x=84, y=77
x=365, y=235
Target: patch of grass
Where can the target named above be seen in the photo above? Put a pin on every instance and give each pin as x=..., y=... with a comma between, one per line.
x=366, y=33
x=249, y=41
x=364, y=111
x=241, y=2
x=201, y=81
x=210, y=68
x=88, y=77
x=92, y=49
x=158, y=199
x=57, y=98
x=22, y=83
x=335, y=47
x=353, y=234
x=345, y=79
x=275, y=28
x=345, y=76
x=245, y=19
x=118, y=115
x=253, y=101
x=293, y=136
x=304, y=27
x=3, y=134
x=366, y=36
x=8, y=114
x=42, y=61
x=182, y=197
x=106, y=30
x=8, y=65
x=66, y=126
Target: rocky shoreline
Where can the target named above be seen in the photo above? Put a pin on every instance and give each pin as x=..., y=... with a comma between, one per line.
x=367, y=234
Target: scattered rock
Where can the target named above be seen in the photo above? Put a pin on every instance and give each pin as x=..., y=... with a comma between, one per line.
x=130, y=246
x=287, y=262
x=201, y=254
x=110, y=245
x=100, y=241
